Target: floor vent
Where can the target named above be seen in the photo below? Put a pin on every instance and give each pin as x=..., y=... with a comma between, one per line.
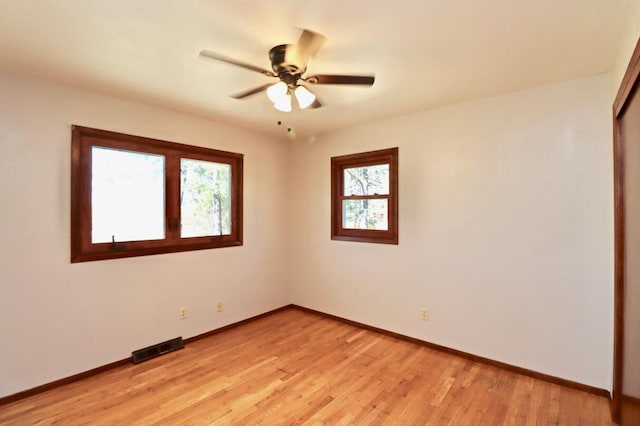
x=156, y=350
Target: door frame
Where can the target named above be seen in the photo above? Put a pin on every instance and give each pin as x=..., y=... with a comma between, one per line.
x=629, y=83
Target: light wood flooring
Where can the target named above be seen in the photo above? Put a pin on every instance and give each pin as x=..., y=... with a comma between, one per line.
x=297, y=367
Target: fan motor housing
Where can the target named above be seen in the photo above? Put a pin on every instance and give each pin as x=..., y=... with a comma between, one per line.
x=288, y=72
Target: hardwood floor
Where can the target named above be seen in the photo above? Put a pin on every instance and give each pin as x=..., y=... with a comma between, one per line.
x=296, y=367
x=630, y=412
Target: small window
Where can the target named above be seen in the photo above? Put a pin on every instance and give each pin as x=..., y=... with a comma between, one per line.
x=134, y=196
x=364, y=197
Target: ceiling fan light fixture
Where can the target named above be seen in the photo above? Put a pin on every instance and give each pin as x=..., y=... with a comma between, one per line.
x=304, y=97
x=289, y=65
x=277, y=92
x=284, y=104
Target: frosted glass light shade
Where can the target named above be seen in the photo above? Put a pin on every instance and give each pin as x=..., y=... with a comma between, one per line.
x=304, y=97
x=277, y=92
x=284, y=104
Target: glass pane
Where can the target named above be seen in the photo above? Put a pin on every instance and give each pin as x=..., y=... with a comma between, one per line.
x=127, y=196
x=205, y=198
x=365, y=214
x=369, y=180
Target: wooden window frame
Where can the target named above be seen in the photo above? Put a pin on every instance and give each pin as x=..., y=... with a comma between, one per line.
x=83, y=139
x=338, y=165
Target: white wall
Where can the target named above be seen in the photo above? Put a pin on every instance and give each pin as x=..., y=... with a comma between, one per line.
x=506, y=230
x=57, y=318
x=506, y=235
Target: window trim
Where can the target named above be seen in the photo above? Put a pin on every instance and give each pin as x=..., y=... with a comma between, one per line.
x=82, y=141
x=370, y=158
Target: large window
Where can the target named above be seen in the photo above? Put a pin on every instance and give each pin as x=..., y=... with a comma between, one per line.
x=364, y=197
x=134, y=196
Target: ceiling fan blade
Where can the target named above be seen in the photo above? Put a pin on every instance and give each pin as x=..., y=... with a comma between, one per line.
x=310, y=43
x=307, y=47
x=216, y=56
x=365, y=80
x=250, y=92
x=315, y=104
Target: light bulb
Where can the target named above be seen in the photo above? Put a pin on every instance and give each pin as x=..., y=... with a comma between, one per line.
x=304, y=96
x=284, y=104
x=277, y=92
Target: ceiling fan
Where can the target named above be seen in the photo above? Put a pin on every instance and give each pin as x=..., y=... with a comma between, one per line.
x=289, y=63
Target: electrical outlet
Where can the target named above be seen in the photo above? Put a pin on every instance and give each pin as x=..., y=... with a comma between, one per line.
x=183, y=313
x=219, y=306
x=425, y=314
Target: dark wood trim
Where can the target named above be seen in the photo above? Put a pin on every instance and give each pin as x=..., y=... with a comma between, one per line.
x=95, y=371
x=371, y=158
x=236, y=324
x=629, y=82
x=619, y=241
x=519, y=370
x=83, y=139
x=632, y=400
x=64, y=381
x=526, y=372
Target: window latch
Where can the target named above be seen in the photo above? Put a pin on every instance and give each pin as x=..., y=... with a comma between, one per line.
x=113, y=245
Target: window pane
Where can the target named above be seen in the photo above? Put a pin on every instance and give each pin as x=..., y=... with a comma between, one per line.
x=205, y=198
x=365, y=214
x=127, y=196
x=370, y=180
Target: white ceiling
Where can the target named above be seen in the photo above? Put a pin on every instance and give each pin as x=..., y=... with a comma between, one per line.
x=424, y=53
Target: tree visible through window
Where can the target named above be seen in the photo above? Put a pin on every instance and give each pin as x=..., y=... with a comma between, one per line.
x=364, y=200
x=367, y=213
x=134, y=196
x=205, y=198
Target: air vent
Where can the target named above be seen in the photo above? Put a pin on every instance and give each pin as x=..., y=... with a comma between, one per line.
x=156, y=350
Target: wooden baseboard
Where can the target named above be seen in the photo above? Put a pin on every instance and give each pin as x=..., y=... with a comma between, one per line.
x=552, y=379
x=85, y=374
x=64, y=381
x=631, y=400
x=526, y=372
x=236, y=324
